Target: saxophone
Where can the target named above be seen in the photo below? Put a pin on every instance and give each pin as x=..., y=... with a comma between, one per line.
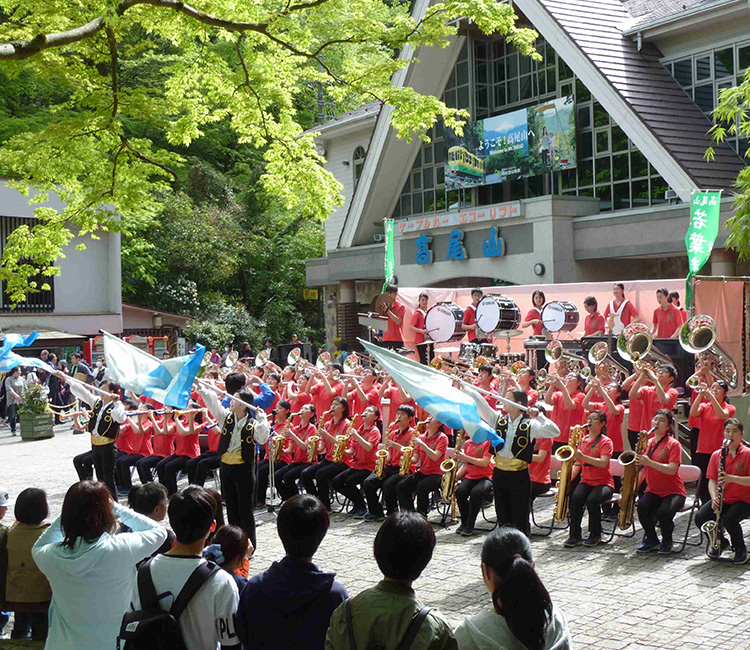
x=449, y=467
x=565, y=455
x=713, y=528
x=277, y=443
x=312, y=441
x=407, y=453
x=629, y=487
x=382, y=456
x=342, y=442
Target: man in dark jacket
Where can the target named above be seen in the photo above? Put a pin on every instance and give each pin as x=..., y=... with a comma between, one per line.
x=290, y=604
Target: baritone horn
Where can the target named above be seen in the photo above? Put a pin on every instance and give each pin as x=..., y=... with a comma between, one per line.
x=554, y=352
x=698, y=336
x=599, y=356
x=636, y=344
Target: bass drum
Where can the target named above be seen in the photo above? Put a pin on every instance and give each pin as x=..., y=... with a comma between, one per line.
x=443, y=322
x=496, y=312
x=560, y=316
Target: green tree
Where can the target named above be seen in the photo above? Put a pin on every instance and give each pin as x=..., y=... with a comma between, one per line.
x=140, y=79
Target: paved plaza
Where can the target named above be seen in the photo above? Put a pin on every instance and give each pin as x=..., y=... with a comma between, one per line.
x=612, y=598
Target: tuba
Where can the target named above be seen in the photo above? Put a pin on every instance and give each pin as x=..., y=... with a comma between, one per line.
x=636, y=344
x=698, y=336
x=565, y=455
x=449, y=467
x=342, y=442
x=629, y=488
x=555, y=353
x=599, y=356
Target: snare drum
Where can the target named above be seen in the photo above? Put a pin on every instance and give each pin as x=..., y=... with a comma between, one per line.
x=488, y=350
x=560, y=316
x=496, y=312
x=443, y=322
x=469, y=351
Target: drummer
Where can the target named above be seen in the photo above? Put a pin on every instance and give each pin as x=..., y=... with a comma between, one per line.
x=621, y=308
x=534, y=316
x=470, y=315
x=420, y=331
x=594, y=325
x=394, y=311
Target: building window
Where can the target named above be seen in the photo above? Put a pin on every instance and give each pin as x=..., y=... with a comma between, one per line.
x=40, y=302
x=358, y=162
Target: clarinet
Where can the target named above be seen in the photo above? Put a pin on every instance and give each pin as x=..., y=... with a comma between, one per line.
x=713, y=528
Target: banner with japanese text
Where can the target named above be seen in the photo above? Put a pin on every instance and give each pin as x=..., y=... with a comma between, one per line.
x=390, y=261
x=702, y=232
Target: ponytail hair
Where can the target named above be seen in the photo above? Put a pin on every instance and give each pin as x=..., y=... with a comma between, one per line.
x=520, y=595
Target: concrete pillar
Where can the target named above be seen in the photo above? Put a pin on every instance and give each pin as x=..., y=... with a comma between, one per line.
x=346, y=291
x=723, y=262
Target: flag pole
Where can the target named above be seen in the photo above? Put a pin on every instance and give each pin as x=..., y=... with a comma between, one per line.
x=83, y=383
x=497, y=396
x=208, y=384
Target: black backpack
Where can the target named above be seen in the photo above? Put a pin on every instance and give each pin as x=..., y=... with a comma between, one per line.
x=152, y=628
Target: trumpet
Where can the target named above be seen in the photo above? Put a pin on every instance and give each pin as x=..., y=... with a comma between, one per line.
x=698, y=335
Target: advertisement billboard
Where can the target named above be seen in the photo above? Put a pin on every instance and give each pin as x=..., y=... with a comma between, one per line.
x=522, y=143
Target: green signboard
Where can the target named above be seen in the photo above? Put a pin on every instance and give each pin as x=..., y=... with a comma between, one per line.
x=701, y=233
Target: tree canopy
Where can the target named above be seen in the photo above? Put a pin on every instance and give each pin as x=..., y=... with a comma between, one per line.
x=131, y=86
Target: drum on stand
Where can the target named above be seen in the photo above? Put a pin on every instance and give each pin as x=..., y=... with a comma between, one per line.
x=488, y=350
x=560, y=316
x=469, y=351
x=496, y=312
x=443, y=322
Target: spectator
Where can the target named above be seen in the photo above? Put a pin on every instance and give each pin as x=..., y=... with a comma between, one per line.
x=54, y=386
x=14, y=388
x=290, y=604
x=215, y=356
x=80, y=369
x=522, y=614
x=227, y=352
x=150, y=499
x=208, y=618
x=382, y=614
x=229, y=549
x=91, y=569
x=27, y=591
x=4, y=501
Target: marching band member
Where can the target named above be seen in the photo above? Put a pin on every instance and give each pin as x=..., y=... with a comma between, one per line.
x=525, y=380
x=364, y=393
x=665, y=492
x=704, y=375
x=241, y=430
x=674, y=298
x=430, y=449
x=475, y=482
x=660, y=395
x=164, y=431
x=667, y=318
x=274, y=382
x=469, y=323
x=594, y=324
x=484, y=381
x=187, y=447
x=297, y=396
x=709, y=411
x=398, y=437
x=107, y=414
x=390, y=390
x=395, y=311
x=286, y=477
x=141, y=428
x=736, y=499
x=596, y=485
x=363, y=448
x=566, y=400
x=635, y=410
x=621, y=309
x=540, y=466
x=323, y=391
x=534, y=315
x=511, y=481
x=420, y=331
x=317, y=478
x=281, y=419
x=197, y=469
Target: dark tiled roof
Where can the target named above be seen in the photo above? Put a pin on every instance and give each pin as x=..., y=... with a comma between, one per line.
x=647, y=87
x=650, y=10
x=373, y=108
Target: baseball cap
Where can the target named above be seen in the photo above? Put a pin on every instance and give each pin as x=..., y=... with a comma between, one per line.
x=4, y=497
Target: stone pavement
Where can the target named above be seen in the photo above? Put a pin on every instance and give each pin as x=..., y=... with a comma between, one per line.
x=613, y=599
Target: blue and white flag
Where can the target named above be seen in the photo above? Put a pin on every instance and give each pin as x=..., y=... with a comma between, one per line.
x=10, y=360
x=435, y=393
x=168, y=381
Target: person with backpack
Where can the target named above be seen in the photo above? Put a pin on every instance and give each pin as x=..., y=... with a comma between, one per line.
x=389, y=615
x=91, y=569
x=181, y=601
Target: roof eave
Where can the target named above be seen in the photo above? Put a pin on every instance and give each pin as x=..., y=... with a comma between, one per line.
x=687, y=19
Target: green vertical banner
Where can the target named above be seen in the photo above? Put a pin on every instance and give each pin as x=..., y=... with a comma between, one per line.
x=702, y=232
x=390, y=261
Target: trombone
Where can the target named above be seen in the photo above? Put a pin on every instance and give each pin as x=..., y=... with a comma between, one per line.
x=698, y=336
x=636, y=344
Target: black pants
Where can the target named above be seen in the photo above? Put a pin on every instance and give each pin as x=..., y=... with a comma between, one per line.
x=348, y=483
x=167, y=470
x=694, y=435
x=471, y=494
x=633, y=438
x=145, y=465
x=263, y=472
x=104, y=464
x=590, y=496
x=539, y=488
x=652, y=508
x=609, y=507
x=392, y=345
x=34, y=623
x=237, y=485
x=425, y=352
x=12, y=416
x=122, y=469
x=198, y=468
x=388, y=483
x=84, y=465
x=731, y=516
x=702, y=460
x=286, y=479
x=322, y=474
x=512, y=498
x=421, y=484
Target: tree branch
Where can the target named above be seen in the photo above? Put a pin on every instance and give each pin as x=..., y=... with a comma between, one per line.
x=140, y=156
x=113, y=56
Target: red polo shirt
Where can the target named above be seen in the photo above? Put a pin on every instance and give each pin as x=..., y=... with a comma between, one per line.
x=539, y=472
x=437, y=443
x=651, y=404
x=391, y=393
x=591, y=475
x=711, y=427
x=124, y=440
x=214, y=437
x=614, y=423
x=532, y=395
x=338, y=429
x=299, y=454
x=669, y=450
x=593, y=323
x=142, y=441
x=737, y=465
x=629, y=312
x=297, y=404
x=321, y=399
x=362, y=458
x=164, y=444
x=357, y=406
x=666, y=321
x=565, y=418
x=480, y=450
x=417, y=320
x=470, y=318
x=187, y=445
x=393, y=331
x=535, y=314
x=403, y=438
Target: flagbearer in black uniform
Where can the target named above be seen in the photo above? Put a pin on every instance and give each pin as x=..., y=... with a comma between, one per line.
x=241, y=429
x=510, y=479
x=107, y=414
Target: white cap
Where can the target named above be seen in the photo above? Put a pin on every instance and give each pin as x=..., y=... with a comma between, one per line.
x=4, y=497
